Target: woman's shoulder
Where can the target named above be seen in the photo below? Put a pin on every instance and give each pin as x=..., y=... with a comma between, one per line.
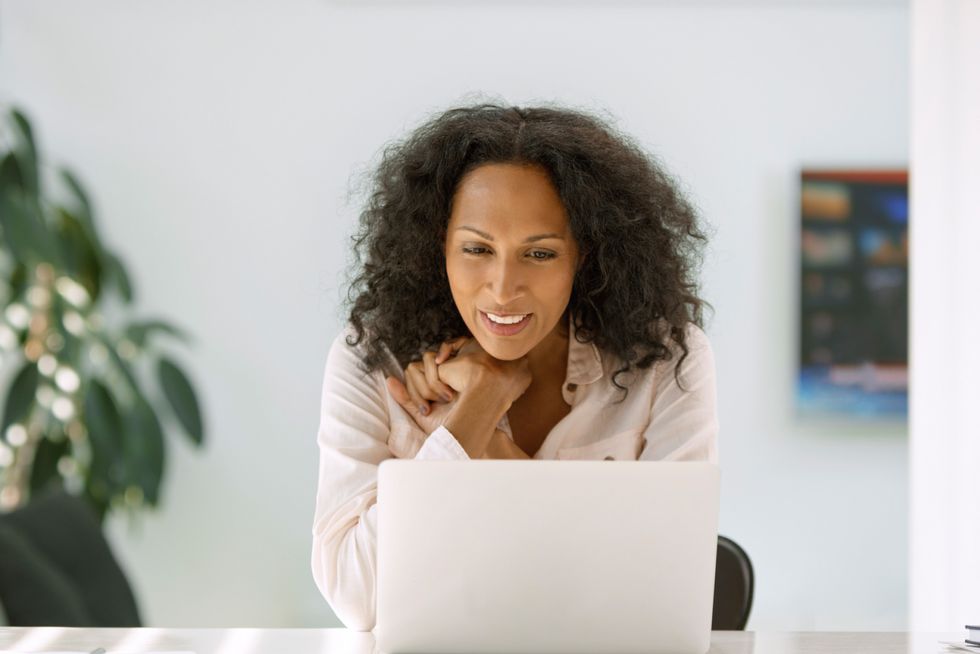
x=695, y=340
x=346, y=373
x=348, y=351
x=699, y=354
x=699, y=361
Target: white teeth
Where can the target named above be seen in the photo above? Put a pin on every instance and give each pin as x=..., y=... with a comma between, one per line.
x=506, y=320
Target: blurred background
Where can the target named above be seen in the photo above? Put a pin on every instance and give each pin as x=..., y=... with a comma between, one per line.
x=221, y=144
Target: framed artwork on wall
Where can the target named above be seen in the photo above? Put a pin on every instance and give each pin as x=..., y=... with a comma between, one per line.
x=853, y=323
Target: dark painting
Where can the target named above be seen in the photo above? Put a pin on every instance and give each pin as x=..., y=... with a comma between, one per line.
x=854, y=294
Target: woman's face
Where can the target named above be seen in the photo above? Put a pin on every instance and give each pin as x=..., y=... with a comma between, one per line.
x=510, y=252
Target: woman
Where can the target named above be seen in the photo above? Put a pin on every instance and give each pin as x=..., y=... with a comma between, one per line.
x=525, y=288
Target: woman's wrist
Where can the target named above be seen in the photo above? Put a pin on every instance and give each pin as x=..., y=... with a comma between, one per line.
x=488, y=383
x=502, y=447
x=475, y=415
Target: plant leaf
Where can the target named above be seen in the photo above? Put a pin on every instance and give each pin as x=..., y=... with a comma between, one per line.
x=138, y=332
x=119, y=362
x=108, y=264
x=116, y=272
x=181, y=396
x=24, y=228
x=105, y=435
x=79, y=254
x=10, y=174
x=26, y=153
x=20, y=396
x=44, y=468
x=84, y=206
x=142, y=434
x=18, y=280
x=16, y=223
x=145, y=455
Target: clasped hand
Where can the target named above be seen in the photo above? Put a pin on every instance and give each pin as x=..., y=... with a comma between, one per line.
x=458, y=367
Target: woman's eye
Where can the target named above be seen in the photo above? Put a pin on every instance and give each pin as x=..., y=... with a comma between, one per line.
x=537, y=255
x=545, y=255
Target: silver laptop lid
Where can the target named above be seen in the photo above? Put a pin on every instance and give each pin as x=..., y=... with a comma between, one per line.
x=546, y=556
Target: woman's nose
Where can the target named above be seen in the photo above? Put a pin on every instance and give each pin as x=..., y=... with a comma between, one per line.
x=506, y=282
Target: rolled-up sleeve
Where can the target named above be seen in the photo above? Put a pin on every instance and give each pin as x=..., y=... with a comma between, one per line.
x=355, y=426
x=684, y=420
x=442, y=445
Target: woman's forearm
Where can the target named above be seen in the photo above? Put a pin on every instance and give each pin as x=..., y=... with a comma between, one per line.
x=502, y=447
x=475, y=416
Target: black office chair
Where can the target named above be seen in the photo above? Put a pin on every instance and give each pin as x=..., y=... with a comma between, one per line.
x=56, y=568
x=734, y=584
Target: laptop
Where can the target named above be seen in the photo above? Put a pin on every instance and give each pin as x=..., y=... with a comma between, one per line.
x=526, y=557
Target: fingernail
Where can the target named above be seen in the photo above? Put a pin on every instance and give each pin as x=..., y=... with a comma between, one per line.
x=424, y=409
x=447, y=397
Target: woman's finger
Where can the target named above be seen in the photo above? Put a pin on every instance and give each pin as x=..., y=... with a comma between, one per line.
x=444, y=351
x=450, y=347
x=398, y=391
x=432, y=377
x=416, y=380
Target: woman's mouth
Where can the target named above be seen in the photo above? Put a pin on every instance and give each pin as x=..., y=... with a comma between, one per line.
x=504, y=329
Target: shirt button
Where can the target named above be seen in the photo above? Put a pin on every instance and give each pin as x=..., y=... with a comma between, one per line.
x=571, y=387
x=609, y=458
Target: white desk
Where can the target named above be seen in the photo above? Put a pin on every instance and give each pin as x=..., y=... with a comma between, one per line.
x=341, y=641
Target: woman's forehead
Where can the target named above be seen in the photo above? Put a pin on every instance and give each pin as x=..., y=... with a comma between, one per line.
x=508, y=198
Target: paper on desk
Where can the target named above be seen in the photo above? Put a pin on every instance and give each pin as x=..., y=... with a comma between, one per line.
x=947, y=643
x=88, y=651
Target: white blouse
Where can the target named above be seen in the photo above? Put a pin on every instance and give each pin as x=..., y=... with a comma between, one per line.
x=361, y=425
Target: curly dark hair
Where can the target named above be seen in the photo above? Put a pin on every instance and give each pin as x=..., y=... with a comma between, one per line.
x=636, y=289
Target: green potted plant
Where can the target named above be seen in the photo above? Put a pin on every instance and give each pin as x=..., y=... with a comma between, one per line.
x=87, y=397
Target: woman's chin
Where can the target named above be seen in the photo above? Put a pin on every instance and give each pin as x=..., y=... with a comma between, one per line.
x=501, y=351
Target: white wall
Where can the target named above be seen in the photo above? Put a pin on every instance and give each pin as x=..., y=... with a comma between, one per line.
x=218, y=139
x=945, y=448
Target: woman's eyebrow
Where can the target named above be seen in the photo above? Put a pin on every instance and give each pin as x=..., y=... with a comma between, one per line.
x=529, y=239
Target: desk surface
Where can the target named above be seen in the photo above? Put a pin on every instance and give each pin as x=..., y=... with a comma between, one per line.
x=342, y=641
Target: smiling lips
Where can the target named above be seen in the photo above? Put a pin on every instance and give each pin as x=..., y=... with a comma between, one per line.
x=506, y=327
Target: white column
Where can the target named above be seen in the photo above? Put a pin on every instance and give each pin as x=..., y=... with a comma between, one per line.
x=944, y=420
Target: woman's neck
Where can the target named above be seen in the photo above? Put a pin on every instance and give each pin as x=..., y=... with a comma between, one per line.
x=549, y=358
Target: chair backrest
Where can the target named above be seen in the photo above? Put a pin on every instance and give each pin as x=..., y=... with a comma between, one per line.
x=734, y=585
x=56, y=567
